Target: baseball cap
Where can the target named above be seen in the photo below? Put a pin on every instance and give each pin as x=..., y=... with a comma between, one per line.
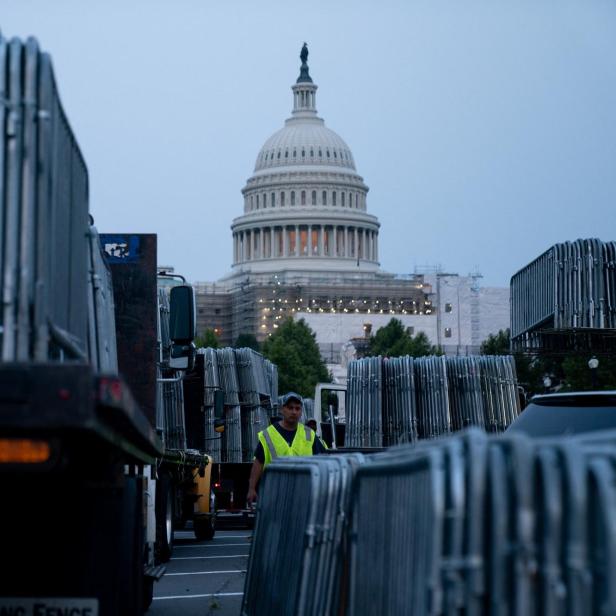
x=291, y=396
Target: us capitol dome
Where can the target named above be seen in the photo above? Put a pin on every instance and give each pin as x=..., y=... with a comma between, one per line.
x=305, y=204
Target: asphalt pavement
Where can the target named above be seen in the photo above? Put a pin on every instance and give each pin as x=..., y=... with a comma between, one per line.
x=204, y=578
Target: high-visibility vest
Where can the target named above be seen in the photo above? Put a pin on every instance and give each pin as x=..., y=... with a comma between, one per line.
x=274, y=445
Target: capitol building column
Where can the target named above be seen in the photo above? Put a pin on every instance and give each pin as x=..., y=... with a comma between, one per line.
x=261, y=242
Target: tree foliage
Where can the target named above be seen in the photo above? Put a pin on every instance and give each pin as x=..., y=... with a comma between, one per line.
x=394, y=340
x=207, y=338
x=496, y=344
x=566, y=373
x=293, y=348
x=247, y=341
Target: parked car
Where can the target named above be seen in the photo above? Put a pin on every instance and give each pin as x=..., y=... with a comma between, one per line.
x=567, y=413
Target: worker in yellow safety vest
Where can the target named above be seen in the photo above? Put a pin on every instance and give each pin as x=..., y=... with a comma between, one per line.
x=288, y=437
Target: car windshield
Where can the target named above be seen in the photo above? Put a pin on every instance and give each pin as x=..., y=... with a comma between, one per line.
x=567, y=415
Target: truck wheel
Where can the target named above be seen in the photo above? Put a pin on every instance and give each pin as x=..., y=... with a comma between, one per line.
x=148, y=592
x=164, y=519
x=205, y=527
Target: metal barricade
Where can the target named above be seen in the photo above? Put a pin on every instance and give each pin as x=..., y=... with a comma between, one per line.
x=467, y=524
x=399, y=400
x=52, y=277
x=570, y=286
x=296, y=561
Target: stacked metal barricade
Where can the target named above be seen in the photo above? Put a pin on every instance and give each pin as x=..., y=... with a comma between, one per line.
x=248, y=382
x=492, y=525
x=570, y=286
x=229, y=382
x=170, y=394
x=271, y=372
x=400, y=422
x=307, y=409
x=468, y=524
x=255, y=392
x=432, y=396
x=398, y=400
x=212, y=384
x=57, y=296
x=364, y=403
x=297, y=556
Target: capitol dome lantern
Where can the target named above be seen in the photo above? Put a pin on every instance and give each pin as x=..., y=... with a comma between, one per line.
x=305, y=204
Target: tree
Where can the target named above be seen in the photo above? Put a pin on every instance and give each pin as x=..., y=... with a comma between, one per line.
x=577, y=375
x=247, y=341
x=496, y=344
x=207, y=339
x=393, y=340
x=566, y=373
x=293, y=348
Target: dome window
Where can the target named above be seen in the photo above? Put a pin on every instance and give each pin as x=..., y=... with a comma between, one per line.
x=314, y=197
x=273, y=200
x=311, y=153
x=327, y=153
x=324, y=197
x=342, y=199
x=282, y=199
x=303, y=198
x=286, y=154
x=294, y=153
x=278, y=154
x=252, y=202
x=335, y=154
x=334, y=196
x=303, y=153
x=257, y=201
x=320, y=154
x=356, y=200
x=292, y=197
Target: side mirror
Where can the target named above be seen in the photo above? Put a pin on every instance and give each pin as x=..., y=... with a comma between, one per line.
x=182, y=357
x=219, y=410
x=182, y=324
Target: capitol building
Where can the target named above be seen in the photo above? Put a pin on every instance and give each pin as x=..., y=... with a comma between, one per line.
x=305, y=204
x=307, y=247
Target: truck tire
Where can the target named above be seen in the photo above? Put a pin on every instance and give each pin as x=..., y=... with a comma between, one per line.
x=164, y=519
x=148, y=592
x=205, y=527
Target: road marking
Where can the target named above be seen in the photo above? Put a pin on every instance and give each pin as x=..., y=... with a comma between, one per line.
x=206, y=572
x=199, y=557
x=215, y=545
x=189, y=533
x=214, y=594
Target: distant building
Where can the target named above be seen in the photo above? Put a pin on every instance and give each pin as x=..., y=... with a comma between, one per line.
x=306, y=247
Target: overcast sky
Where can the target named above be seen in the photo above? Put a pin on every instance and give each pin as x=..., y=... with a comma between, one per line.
x=486, y=131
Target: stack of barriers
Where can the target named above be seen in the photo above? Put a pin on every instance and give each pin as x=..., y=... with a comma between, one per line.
x=398, y=400
x=297, y=555
x=472, y=524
